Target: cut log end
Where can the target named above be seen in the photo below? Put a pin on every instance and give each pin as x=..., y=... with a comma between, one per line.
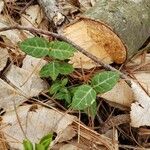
x=97, y=39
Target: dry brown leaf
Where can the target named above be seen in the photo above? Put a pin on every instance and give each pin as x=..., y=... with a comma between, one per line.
x=121, y=94
x=36, y=122
x=113, y=134
x=3, y=57
x=69, y=147
x=1, y=5
x=141, y=63
x=12, y=35
x=22, y=85
x=33, y=64
x=140, y=110
x=32, y=17
x=8, y=95
x=144, y=79
x=26, y=82
x=66, y=135
x=67, y=7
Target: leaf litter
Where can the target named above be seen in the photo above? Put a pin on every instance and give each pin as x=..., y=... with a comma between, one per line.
x=36, y=121
x=24, y=82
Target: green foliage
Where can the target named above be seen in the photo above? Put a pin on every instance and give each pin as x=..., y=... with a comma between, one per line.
x=56, y=86
x=91, y=110
x=83, y=97
x=27, y=145
x=64, y=94
x=42, y=145
x=54, y=68
x=61, y=50
x=39, y=147
x=50, y=70
x=46, y=140
x=36, y=47
x=65, y=68
x=105, y=81
x=59, y=90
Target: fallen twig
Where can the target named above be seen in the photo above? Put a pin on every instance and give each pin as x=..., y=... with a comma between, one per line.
x=63, y=38
x=115, y=121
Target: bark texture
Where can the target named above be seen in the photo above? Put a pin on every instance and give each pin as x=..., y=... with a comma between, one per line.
x=52, y=11
x=112, y=30
x=129, y=19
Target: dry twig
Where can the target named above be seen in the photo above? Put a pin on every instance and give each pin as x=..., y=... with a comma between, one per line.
x=63, y=38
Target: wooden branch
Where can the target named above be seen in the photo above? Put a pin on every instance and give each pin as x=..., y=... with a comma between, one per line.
x=115, y=121
x=115, y=29
x=52, y=11
x=63, y=38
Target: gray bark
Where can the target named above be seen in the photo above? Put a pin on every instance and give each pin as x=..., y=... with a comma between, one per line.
x=52, y=11
x=129, y=19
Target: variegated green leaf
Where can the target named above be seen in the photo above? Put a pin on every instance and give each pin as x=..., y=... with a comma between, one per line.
x=83, y=97
x=36, y=47
x=105, y=81
x=61, y=50
x=65, y=68
x=50, y=70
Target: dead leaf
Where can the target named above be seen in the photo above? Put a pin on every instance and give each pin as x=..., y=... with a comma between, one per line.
x=26, y=82
x=140, y=110
x=120, y=94
x=1, y=5
x=32, y=17
x=12, y=35
x=22, y=85
x=3, y=57
x=113, y=134
x=69, y=147
x=68, y=7
x=35, y=122
x=144, y=79
x=33, y=64
x=139, y=63
x=66, y=135
x=9, y=96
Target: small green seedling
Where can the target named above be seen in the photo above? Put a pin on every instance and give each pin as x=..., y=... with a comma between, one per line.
x=42, y=145
x=82, y=97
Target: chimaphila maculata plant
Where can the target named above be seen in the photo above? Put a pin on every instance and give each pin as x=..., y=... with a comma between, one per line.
x=43, y=144
x=82, y=97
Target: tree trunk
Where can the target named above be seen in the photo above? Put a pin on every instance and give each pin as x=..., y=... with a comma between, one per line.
x=52, y=11
x=112, y=30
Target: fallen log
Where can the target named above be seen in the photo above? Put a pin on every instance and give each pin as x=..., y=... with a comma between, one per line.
x=112, y=30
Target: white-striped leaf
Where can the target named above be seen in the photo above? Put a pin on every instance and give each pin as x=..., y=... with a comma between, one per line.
x=105, y=81
x=36, y=47
x=65, y=68
x=83, y=97
x=61, y=50
x=50, y=70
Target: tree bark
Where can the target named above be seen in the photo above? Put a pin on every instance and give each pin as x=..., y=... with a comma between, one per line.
x=129, y=19
x=52, y=11
x=112, y=30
